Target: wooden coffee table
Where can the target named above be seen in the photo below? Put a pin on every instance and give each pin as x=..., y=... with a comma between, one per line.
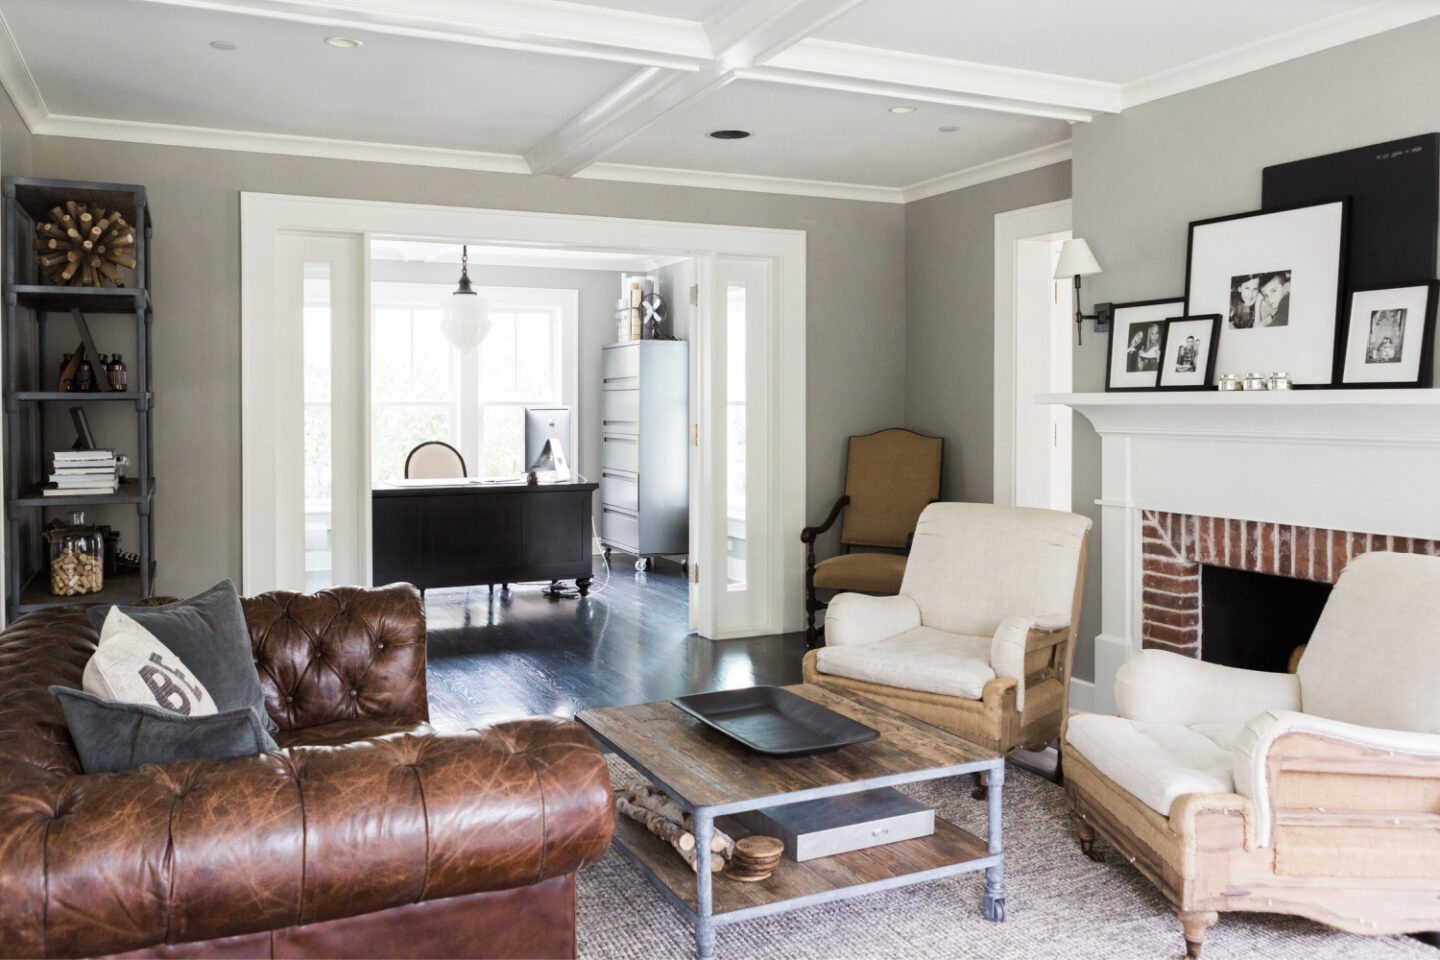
x=712, y=776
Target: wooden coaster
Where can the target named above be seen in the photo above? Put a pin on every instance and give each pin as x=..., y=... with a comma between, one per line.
x=759, y=848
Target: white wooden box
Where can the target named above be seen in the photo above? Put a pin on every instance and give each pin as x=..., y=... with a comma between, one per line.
x=853, y=821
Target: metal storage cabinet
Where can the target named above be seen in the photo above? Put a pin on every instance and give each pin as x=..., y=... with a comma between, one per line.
x=644, y=452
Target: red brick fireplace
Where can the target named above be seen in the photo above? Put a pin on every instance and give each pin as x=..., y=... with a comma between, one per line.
x=1175, y=546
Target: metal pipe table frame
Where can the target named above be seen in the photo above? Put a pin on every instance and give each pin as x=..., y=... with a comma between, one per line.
x=705, y=922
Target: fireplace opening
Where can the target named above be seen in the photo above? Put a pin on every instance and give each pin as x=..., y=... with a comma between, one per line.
x=1255, y=620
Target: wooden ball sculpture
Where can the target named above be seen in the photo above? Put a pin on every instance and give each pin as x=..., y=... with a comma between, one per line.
x=81, y=247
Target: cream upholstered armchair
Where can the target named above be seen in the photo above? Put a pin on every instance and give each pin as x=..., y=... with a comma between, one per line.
x=980, y=638
x=1315, y=794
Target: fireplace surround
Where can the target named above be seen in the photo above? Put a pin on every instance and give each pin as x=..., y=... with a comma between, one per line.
x=1291, y=483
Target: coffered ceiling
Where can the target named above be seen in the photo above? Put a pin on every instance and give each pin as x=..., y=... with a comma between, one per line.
x=630, y=89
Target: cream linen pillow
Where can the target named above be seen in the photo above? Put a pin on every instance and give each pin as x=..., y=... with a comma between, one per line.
x=131, y=665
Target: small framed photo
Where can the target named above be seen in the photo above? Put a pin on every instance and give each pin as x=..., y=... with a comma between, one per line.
x=1187, y=352
x=1274, y=276
x=1388, y=336
x=1137, y=332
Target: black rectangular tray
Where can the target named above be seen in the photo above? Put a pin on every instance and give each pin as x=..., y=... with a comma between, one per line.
x=775, y=721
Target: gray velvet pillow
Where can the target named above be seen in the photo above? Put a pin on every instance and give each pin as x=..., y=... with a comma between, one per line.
x=111, y=736
x=209, y=635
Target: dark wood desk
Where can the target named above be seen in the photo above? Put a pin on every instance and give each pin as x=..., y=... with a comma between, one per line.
x=465, y=534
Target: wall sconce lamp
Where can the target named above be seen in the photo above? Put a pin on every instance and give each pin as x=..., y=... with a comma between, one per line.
x=1077, y=261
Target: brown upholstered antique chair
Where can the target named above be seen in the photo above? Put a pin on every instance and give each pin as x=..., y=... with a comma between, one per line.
x=980, y=638
x=366, y=834
x=1315, y=793
x=889, y=478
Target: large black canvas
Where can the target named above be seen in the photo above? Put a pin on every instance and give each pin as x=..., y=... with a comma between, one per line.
x=1395, y=204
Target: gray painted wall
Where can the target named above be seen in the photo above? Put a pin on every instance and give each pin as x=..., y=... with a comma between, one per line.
x=1142, y=176
x=950, y=319
x=856, y=365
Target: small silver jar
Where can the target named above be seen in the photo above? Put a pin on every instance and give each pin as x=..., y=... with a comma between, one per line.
x=1228, y=382
x=1280, y=380
x=1257, y=381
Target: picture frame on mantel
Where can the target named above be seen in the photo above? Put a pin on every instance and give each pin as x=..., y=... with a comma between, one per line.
x=1187, y=352
x=1389, y=336
x=1276, y=279
x=1137, y=332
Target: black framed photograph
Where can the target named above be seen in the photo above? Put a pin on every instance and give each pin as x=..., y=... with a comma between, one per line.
x=1389, y=336
x=1187, y=352
x=1274, y=277
x=1137, y=332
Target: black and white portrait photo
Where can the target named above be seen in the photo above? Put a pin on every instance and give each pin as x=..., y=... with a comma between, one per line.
x=1386, y=343
x=1142, y=351
x=1260, y=300
x=1187, y=352
x=1185, y=355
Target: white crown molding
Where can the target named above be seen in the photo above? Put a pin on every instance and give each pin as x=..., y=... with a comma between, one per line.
x=1267, y=52
x=19, y=82
x=993, y=170
x=542, y=26
x=854, y=62
x=670, y=176
x=174, y=135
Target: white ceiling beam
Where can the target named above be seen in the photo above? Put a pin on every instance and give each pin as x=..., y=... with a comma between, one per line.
x=568, y=29
x=1002, y=87
x=743, y=31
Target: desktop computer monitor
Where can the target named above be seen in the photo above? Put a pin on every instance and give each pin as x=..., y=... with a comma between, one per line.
x=547, y=441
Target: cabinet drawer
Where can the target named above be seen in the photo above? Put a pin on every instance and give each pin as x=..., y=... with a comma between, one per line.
x=620, y=411
x=619, y=528
x=620, y=368
x=620, y=452
x=619, y=490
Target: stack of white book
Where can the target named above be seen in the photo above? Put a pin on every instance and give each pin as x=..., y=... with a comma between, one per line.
x=83, y=473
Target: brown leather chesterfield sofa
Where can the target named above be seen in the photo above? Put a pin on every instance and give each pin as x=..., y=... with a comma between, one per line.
x=365, y=835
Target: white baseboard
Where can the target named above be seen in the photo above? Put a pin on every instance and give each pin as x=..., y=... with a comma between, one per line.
x=1082, y=695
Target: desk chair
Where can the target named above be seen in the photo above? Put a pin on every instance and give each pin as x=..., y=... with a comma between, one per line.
x=434, y=460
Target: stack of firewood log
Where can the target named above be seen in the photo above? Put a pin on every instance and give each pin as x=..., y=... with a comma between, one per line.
x=81, y=247
x=666, y=819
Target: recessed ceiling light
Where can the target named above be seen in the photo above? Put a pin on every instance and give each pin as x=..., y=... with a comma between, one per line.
x=729, y=134
x=344, y=43
x=903, y=109
x=226, y=45
x=949, y=128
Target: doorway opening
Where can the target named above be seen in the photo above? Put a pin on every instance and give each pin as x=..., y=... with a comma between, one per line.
x=346, y=369
x=1034, y=355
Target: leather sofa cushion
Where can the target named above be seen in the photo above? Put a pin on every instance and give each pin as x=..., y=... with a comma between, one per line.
x=1157, y=762
x=920, y=659
x=861, y=572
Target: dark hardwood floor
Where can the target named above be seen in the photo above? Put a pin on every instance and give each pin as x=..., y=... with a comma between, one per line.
x=496, y=656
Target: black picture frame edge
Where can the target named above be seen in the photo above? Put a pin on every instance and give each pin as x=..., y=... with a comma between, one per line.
x=1426, y=375
x=1341, y=302
x=1209, y=383
x=1110, y=341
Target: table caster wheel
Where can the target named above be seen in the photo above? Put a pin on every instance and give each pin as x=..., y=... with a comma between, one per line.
x=994, y=909
x=641, y=565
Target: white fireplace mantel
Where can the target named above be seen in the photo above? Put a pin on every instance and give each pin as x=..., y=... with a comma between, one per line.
x=1358, y=460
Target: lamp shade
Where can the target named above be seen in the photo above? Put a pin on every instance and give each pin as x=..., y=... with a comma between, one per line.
x=1076, y=260
x=467, y=320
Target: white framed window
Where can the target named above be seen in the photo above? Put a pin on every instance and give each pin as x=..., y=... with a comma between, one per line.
x=423, y=389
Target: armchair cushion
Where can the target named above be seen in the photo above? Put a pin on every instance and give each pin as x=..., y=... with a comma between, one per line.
x=1252, y=752
x=922, y=658
x=1156, y=686
x=1373, y=657
x=855, y=618
x=1155, y=762
x=865, y=572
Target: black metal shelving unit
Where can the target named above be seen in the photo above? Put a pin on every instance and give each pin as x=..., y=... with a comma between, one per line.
x=32, y=310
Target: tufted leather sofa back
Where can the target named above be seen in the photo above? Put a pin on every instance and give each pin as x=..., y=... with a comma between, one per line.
x=341, y=654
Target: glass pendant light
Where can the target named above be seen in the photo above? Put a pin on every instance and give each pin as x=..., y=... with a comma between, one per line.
x=467, y=317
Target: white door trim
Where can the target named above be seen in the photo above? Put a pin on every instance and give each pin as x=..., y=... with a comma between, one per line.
x=264, y=217
x=1011, y=227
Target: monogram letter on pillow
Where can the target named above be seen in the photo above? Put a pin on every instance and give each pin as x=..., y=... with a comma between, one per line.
x=133, y=666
